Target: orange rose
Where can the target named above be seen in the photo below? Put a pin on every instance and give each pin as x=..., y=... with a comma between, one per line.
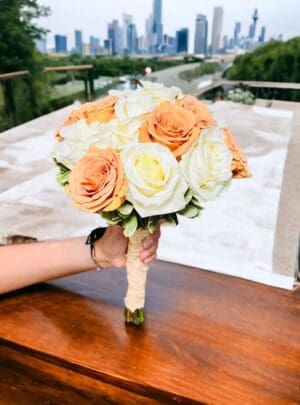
x=97, y=183
x=102, y=110
x=171, y=125
x=239, y=165
x=203, y=115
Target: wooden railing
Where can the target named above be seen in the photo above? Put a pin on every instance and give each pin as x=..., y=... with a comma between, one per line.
x=257, y=84
x=88, y=79
x=8, y=92
x=10, y=104
x=14, y=75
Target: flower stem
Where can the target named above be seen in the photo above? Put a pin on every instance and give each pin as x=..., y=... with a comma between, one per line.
x=137, y=317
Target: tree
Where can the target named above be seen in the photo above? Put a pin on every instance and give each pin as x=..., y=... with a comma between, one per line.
x=18, y=31
x=275, y=61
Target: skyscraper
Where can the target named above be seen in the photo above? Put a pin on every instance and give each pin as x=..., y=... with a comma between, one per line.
x=110, y=36
x=201, y=30
x=252, y=27
x=157, y=28
x=141, y=44
x=107, y=47
x=78, y=41
x=149, y=36
x=41, y=44
x=182, y=40
x=94, y=45
x=132, y=39
x=262, y=36
x=127, y=20
x=170, y=43
x=236, y=35
x=217, y=29
x=226, y=43
x=60, y=44
x=115, y=37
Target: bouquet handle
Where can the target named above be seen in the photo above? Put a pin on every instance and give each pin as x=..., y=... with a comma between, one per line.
x=136, y=278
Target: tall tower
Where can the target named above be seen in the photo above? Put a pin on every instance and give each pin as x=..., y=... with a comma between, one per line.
x=115, y=37
x=78, y=41
x=201, y=30
x=127, y=20
x=149, y=37
x=157, y=28
x=61, y=45
x=182, y=40
x=237, y=31
x=253, y=25
x=217, y=29
x=132, y=39
x=262, y=36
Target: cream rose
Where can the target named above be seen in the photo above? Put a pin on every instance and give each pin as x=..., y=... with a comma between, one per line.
x=206, y=166
x=160, y=93
x=132, y=103
x=156, y=186
x=77, y=139
x=123, y=132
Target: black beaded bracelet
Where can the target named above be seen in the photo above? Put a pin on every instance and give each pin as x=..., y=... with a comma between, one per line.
x=95, y=235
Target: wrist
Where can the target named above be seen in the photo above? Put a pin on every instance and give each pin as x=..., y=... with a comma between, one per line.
x=97, y=252
x=100, y=255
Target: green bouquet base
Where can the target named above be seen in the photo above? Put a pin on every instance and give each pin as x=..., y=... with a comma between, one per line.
x=135, y=318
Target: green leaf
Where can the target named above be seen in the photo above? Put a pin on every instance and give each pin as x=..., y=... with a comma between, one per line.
x=125, y=210
x=62, y=176
x=196, y=203
x=171, y=219
x=112, y=217
x=130, y=225
x=190, y=211
x=152, y=224
x=188, y=196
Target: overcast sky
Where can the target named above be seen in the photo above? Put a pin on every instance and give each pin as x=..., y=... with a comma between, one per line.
x=92, y=16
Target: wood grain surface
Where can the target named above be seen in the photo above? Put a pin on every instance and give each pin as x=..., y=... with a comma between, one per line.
x=207, y=338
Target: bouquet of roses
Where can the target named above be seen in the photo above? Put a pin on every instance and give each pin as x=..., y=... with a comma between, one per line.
x=137, y=157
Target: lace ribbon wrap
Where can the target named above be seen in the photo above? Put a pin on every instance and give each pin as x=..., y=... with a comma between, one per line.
x=136, y=272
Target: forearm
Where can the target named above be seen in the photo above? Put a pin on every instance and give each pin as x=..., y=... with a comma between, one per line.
x=23, y=265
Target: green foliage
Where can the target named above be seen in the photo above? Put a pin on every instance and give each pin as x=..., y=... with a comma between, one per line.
x=239, y=95
x=275, y=61
x=193, y=208
x=130, y=225
x=127, y=217
x=114, y=66
x=18, y=32
x=62, y=176
x=23, y=98
x=204, y=68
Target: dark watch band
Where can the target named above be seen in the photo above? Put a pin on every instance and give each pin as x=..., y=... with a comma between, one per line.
x=91, y=239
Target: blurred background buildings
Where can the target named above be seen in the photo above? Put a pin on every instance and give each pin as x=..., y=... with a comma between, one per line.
x=123, y=37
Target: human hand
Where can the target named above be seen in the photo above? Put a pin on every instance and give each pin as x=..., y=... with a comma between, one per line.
x=111, y=249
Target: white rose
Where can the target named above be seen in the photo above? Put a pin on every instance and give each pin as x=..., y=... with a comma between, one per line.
x=124, y=132
x=207, y=165
x=156, y=186
x=160, y=93
x=77, y=138
x=132, y=103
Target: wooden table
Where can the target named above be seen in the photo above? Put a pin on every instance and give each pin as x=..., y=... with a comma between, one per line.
x=207, y=338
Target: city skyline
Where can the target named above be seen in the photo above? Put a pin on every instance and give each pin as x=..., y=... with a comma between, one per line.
x=58, y=24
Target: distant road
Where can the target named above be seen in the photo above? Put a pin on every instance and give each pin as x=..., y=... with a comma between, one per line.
x=170, y=77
